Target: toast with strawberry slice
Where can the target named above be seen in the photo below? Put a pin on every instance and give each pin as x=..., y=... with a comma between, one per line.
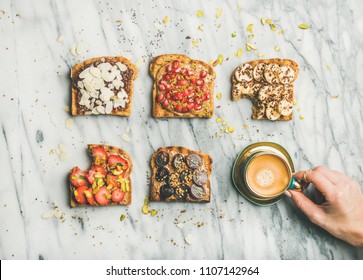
x=183, y=87
x=106, y=183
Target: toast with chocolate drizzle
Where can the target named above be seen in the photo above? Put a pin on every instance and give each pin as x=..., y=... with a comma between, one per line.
x=103, y=85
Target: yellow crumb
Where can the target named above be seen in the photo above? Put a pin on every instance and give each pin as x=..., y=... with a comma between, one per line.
x=231, y=129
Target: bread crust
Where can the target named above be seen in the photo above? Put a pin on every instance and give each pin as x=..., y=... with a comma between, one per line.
x=173, y=150
x=255, y=101
x=157, y=69
x=77, y=69
x=110, y=150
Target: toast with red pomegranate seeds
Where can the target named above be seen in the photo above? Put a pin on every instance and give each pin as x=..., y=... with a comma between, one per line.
x=183, y=87
x=180, y=175
x=106, y=183
x=103, y=85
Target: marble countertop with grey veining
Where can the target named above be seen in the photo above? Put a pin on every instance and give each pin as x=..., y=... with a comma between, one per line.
x=40, y=141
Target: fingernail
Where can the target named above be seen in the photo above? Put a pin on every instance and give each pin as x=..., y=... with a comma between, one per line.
x=287, y=193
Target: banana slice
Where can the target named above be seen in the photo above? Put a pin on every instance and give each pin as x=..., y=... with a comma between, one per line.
x=247, y=87
x=270, y=73
x=236, y=91
x=258, y=111
x=258, y=71
x=244, y=73
x=276, y=92
x=285, y=107
x=271, y=111
x=286, y=75
x=264, y=93
x=256, y=87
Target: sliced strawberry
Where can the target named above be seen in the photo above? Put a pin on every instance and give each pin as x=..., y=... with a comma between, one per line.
x=116, y=161
x=77, y=177
x=79, y=195
x=117, y=195
x=99, y=155
x=96, y=171
x=112, y=180
x=89, y=196
x=103, y=196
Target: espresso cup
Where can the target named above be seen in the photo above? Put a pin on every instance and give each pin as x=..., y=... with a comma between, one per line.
x=268, y=175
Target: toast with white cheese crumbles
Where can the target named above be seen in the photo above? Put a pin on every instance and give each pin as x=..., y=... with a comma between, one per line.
x=183, y=87
x=180, y=175
x=268, y=83
x=106, y=183
x=103, y=85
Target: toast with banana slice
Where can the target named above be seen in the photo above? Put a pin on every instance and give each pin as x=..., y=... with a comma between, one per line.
x=268, y=83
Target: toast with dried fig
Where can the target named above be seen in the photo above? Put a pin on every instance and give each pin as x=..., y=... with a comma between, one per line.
x=103, y=85
x=106, y=183
x=183, y=87
x=269, y=84
x=180, y=175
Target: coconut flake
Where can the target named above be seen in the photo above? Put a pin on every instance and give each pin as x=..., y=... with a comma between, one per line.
x=189, y=239
x=48, y=214
x=125, y=137
x=60, y=39
x=109, y=107
x=95, y=72
x=79, y=48
x=69, y=124
x=121, y=66
x=180, y=225
x=74, y=51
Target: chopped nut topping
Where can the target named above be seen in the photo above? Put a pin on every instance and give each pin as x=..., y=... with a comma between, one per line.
x=304, y=26
x=219, y=13
x=200, y=13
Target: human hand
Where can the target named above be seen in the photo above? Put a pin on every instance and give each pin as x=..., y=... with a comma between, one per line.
x=342, y=212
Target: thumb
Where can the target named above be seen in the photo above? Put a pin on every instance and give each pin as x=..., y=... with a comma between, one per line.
x=309, y=208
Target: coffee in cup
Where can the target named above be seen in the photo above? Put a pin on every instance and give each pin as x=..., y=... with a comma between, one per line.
x=267, y=175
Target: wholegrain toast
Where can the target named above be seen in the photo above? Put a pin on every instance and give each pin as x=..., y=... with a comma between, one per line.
x=268, y=83
x=103, y=85
x=106, y=183
x=183, y=87
x=180, y=175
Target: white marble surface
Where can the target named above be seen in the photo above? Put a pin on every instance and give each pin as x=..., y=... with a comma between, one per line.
x=35, y=87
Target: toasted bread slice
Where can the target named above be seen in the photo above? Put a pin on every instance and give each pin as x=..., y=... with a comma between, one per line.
x=103, y=85
x=268, y=83
x=180, y=175
x=183, y=88
x=106, y=183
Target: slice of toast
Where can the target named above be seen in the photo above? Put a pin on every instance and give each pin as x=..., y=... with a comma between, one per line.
x=106, y=183
x=180, y=175
x=268, y=83
x=103, y=85
x=183, y=88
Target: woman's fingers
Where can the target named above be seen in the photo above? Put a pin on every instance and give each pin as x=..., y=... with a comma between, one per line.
x=333, y=176
x=321, y=182
x=309, y=208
